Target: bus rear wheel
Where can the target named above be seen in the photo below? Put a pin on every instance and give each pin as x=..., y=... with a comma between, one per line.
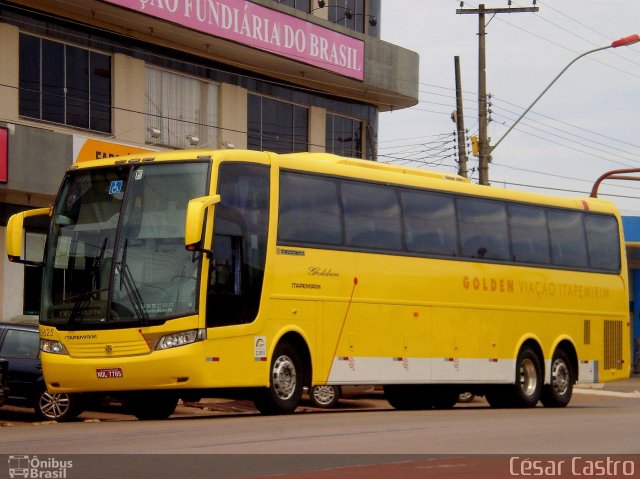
x=285, y=385
x=528, y=386
x=527, y=389
x=558, y=393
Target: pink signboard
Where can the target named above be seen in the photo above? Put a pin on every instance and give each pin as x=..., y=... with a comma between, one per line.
x=4, y=155
x=259, y=27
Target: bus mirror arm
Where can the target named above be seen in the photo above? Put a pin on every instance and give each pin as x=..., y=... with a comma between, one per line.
x=194, y=222
x=15, y=235
x=196, y=247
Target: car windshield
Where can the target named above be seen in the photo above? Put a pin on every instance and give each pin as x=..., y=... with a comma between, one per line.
x=116, y=249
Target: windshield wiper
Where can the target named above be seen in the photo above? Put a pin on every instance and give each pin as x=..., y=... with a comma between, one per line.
x=97, y=262
x=94, y=282
x=126, y=281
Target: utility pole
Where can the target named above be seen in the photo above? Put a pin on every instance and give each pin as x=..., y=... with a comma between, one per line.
x=462, y=151
x=483, y=137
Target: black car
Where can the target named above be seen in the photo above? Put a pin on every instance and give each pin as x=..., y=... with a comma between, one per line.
x=20, y=347
x=4, y=389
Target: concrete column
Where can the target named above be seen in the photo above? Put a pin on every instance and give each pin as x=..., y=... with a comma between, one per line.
x=128, y=99
x=233, y=117
x=11, y=284
x=317, y=129
x=10, y=71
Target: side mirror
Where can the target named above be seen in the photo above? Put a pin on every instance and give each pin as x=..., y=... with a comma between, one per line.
x=14, y=235
x=194, y=223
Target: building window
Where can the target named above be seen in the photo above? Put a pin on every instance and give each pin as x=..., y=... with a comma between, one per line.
x=180, y=111
x=348, y=13
x=344, y=136
x=277, y=126
x=64, y=84
x=303, y=5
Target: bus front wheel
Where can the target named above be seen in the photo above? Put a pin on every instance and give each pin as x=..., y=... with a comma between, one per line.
x=146, y=405
x=285, y=384
x=558, y=393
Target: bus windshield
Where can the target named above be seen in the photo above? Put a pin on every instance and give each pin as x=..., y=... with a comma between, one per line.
x=116, y=251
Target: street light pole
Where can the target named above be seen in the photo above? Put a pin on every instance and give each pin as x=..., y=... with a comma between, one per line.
x=622, y=42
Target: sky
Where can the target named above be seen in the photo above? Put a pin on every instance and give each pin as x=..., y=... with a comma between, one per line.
x=587, y=123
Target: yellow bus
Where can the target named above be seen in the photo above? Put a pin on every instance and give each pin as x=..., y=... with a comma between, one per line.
x=251, y=274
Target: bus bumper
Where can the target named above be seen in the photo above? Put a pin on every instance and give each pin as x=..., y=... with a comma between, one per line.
x=177, y=368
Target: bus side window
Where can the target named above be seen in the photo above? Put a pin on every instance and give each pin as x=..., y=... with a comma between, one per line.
x=241, y=221
x=225, y=277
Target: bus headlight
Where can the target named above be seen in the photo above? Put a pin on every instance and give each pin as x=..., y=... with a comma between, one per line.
x=181, y=339
x=53, y=347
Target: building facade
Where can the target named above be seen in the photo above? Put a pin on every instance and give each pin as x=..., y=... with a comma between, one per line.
x=85, y=79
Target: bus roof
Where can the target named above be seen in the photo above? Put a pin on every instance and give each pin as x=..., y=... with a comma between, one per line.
x=326, y=163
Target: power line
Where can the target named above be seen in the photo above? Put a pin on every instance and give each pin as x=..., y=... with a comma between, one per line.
x=555, y=134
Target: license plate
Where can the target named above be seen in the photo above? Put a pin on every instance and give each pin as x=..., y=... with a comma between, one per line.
x=109, y=373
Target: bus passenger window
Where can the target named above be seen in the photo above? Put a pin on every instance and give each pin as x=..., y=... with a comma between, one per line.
x=430, y=223
x=568, y=240
x=371, y=216
x=603, y=238
x=529, y=234
x=309, y=210
x=483, y=229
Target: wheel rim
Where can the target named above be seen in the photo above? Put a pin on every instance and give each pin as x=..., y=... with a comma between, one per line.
x=284, y=377
x=466, y=397
x=528, y=377
x=54, y=406
x=324, y=394
x=560, y=377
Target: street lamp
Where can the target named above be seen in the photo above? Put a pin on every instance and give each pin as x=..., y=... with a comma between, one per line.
x=622, y=42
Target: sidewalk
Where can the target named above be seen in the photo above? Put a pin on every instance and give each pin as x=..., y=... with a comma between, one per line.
x=629, y=387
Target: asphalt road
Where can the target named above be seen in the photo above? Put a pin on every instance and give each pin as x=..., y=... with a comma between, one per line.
x=365, y=438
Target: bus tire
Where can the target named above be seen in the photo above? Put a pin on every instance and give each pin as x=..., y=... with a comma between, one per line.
x=498, y=396
x=149, y=405
x=528, y=386
x=558, y=393
x=286, y=381
x=444, y=397
x=527, y=389
x=406, y=397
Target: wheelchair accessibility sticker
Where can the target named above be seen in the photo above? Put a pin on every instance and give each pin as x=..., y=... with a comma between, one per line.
x=115, y=187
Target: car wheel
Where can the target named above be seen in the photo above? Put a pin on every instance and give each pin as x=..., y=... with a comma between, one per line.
x=57, y=406
x=324, y=396
x=466, y=397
